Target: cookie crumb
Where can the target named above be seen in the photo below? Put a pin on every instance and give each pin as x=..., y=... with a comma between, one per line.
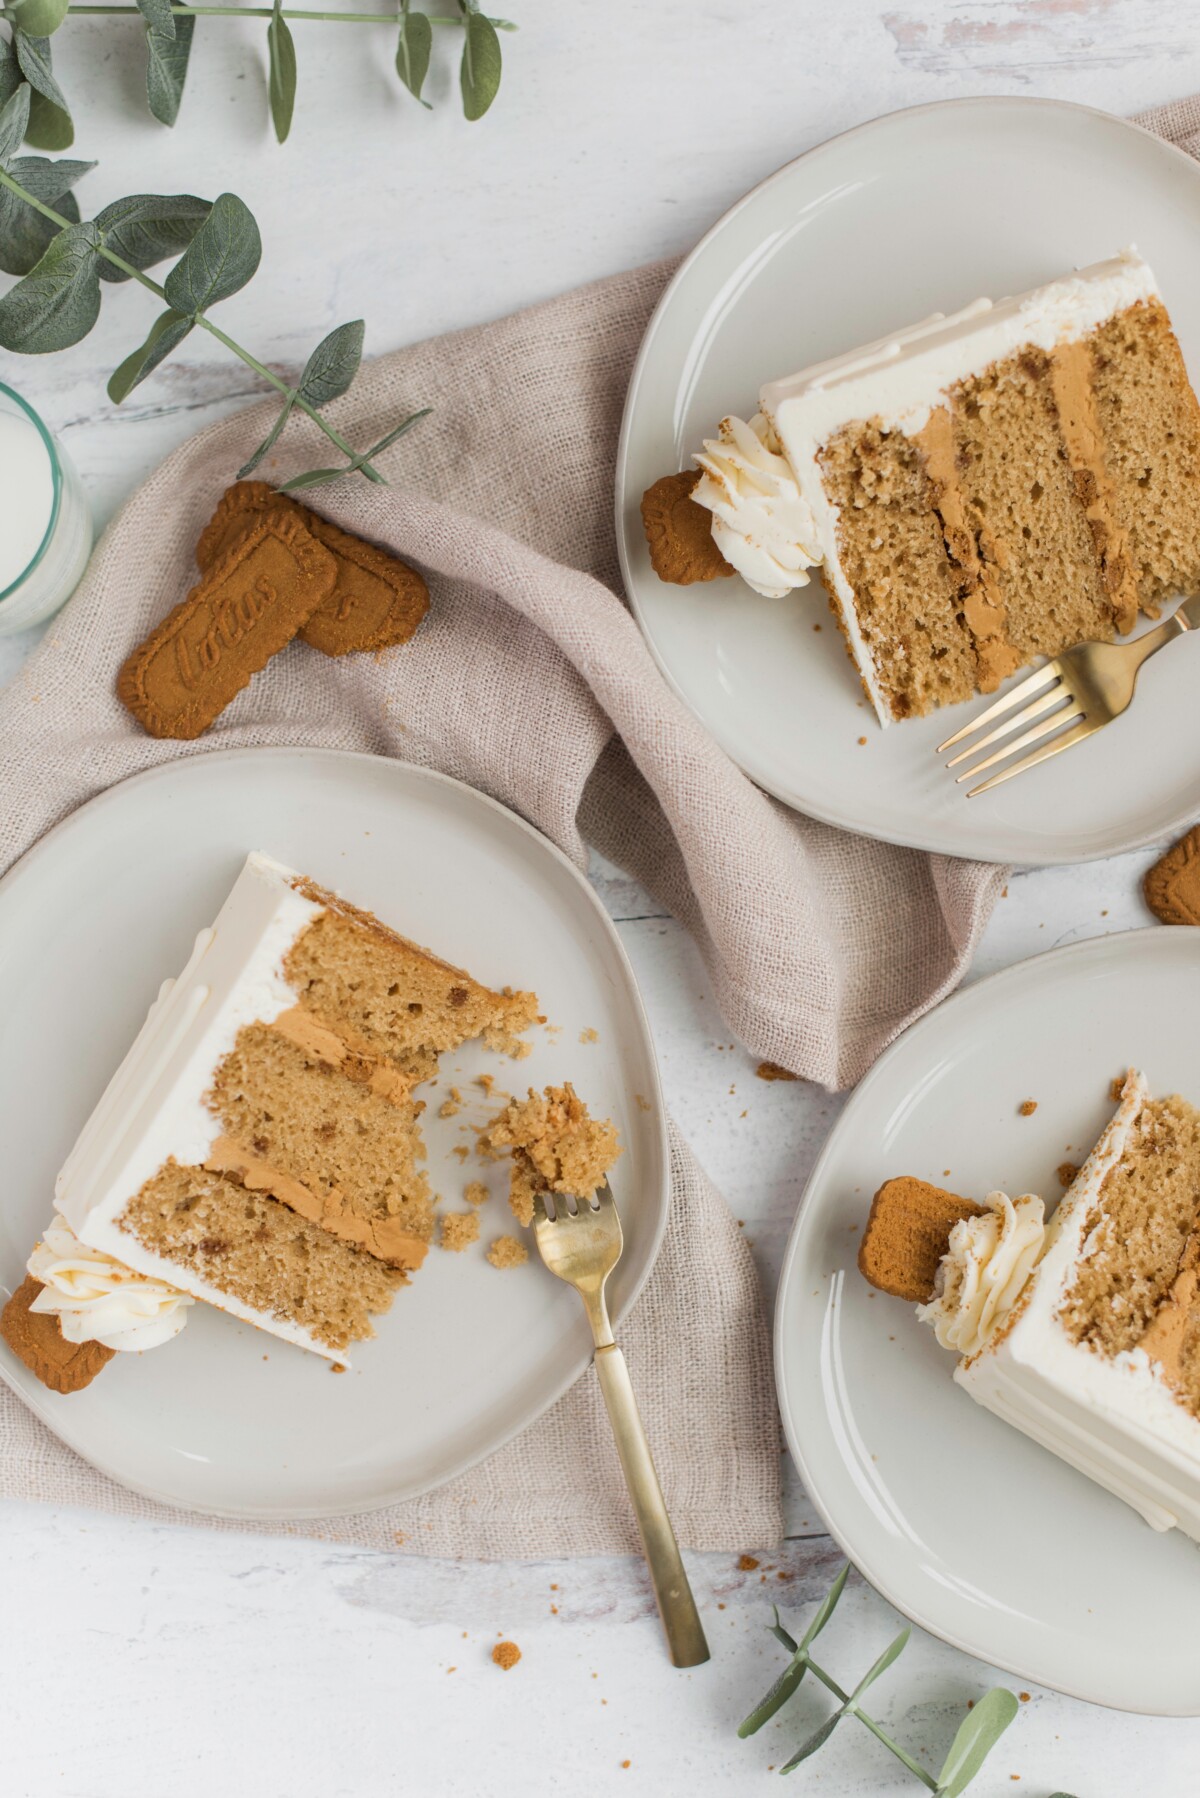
x=589, y=1035
x=1116, y=1087
x=475, y=1192
x=506, y=1655
x=771, y=1070
x=1027, y=1107
x=450, y=1108
x=506, y=1251
x=458, y=1229
x=747, y=1564
x=1067, y=1171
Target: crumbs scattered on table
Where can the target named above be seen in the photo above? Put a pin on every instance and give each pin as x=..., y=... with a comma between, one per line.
x=506, y=1655
x=771, y=1070
x=450, y=1108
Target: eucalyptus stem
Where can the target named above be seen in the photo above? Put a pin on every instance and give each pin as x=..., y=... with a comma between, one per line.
x=876, y=1729
x=268, y=12
x=252, y=362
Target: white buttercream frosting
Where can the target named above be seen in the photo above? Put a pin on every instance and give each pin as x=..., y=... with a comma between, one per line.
x=97, y=1299
x=983, y=1273
x=762, y=524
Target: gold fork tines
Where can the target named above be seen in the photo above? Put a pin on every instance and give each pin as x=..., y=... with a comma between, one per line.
x=582, y=1246
x=1061, y=704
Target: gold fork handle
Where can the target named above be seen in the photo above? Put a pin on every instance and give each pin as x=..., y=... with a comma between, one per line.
x=676, y=1606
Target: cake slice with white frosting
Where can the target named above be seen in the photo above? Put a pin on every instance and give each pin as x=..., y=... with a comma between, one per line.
x=976, y=490
x=259, y=1146
x=1084, y=1333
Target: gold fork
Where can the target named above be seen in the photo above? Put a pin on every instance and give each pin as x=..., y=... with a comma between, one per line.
x=1070, y=698
x=582, y=1248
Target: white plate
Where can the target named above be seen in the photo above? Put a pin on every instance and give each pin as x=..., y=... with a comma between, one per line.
x=224, y=1418
x=921, y=211
x=963, y=1523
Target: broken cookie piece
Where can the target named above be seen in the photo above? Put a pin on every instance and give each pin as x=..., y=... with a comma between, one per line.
x=907, y=1233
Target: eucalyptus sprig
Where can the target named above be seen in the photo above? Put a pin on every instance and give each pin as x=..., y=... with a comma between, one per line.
x=169, y=31
x=978, y=1733
x=64, y=259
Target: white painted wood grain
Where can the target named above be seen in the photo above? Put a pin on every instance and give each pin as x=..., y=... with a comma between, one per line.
x=179, y=1661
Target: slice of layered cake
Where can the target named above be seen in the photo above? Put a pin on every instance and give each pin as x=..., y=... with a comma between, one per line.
x=259, y=1146
x=1083, y=1333
x=978, y=489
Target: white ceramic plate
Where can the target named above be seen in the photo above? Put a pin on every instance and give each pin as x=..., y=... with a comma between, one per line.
x=918, y=212
x=224, y=1418
x=964, y=1524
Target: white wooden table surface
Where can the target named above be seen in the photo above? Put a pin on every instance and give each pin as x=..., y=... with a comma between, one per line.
x=181, y=1661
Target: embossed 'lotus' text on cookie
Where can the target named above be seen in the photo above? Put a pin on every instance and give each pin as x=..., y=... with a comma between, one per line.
x=378, y=600
x=247, y=608
x=231, y=621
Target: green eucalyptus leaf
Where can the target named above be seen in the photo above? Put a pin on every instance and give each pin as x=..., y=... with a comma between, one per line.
x=58, y=302
x=269, y=441
x=788, y=1682
x=45, y=180
x=147, y=228
x=978, y=1734
x=11, y=77
x=167, y=331
x=167, y=66
x=333, y=365
x=480, y=65
x=40, y=18
x=158, y=15
x=817, y=1740
x=281, y=82
x=316, y=477
x=50, y=126
x=14, y=120
x=890, y=1653
x=413, y=52
x=26, y=235
x=221, y=258
x=826, y=1608
x=414, y=418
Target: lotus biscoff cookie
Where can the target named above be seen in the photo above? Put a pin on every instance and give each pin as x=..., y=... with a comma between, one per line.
x=1172, y=885
x=378, y=600
x=247, y=607
x=679, y=532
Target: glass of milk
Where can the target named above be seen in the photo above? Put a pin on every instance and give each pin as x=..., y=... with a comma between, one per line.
x=45, y=520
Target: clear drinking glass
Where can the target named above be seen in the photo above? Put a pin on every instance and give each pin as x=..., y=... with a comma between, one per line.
x=45, y=519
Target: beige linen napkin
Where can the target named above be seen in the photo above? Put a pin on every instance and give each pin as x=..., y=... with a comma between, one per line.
x=530, y=680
